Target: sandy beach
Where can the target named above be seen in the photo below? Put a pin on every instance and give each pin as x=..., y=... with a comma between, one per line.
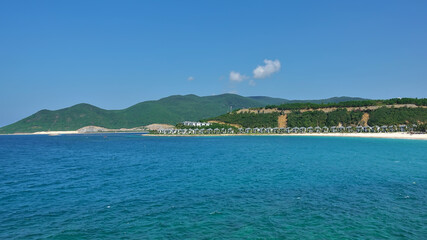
x=396, y=135
x=55, y=132
x=51, y=133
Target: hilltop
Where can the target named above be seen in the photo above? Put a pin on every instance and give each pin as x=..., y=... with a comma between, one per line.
x=169, y=110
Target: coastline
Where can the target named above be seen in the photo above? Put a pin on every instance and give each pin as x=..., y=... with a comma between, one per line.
x=395, y=135
x=57, y=133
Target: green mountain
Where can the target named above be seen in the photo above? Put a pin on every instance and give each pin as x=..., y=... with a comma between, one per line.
x=269, y=100
x=170, y=110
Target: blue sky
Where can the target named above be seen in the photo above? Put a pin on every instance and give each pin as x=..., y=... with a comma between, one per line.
x=113, y=54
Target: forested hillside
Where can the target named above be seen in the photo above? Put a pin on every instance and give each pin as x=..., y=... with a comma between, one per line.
x=340, y=116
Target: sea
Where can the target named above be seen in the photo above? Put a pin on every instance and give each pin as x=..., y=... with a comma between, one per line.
x=133, y=186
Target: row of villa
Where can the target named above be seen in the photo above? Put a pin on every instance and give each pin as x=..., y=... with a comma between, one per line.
x=338, y=129
x=196, y=124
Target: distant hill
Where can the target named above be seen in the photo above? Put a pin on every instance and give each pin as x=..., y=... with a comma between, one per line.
x=277, y=101
x=269, y=100
x=169, y=110
x=329, y=100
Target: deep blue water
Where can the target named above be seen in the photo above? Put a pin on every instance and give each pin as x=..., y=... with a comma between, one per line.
x=280, y=187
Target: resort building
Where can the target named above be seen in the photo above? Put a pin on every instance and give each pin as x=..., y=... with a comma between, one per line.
x=384, y=129
x=368, y=129
x=276, y=130
x=377, y=128
x=196, y=124
x=402, y=128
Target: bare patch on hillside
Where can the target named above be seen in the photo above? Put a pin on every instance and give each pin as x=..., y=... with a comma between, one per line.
x=92, y=129
x=282, y=121
x=229, y=124
x=364, y=120
x=157, y=126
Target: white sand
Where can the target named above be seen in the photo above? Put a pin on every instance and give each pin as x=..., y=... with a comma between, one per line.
x=55, y=132
x=396, y=135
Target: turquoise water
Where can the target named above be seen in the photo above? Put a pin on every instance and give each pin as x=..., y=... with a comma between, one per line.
x=280, y=187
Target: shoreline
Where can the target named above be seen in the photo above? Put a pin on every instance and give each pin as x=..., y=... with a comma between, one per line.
x=395, y=135
x=57, y=133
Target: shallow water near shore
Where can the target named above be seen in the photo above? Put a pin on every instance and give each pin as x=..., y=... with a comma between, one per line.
x=126, y=186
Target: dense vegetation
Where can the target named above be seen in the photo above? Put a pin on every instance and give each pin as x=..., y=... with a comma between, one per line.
x=394, y=116
x=381, y=116
x=319, y=118
x=422, y=127
x=249, y=119
x=360, y=103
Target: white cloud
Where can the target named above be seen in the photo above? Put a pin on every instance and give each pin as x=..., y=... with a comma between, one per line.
x=190, y=78
x=252, y=83
x=269, y=68
x=237, y=77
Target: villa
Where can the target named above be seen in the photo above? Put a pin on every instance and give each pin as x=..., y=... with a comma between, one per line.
x=402, y=128
x=384, y=128
x=368, y=129
x=276, y=130
x=196, y=124
x=325, y=129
